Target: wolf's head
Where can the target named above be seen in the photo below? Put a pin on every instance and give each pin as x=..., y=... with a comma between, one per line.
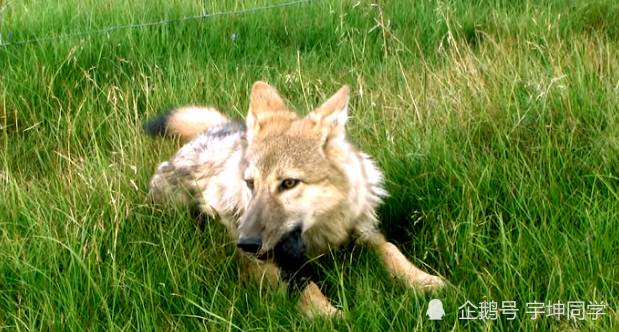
x=295, y=177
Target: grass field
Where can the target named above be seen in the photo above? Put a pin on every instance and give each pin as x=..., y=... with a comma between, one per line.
x=495, y=121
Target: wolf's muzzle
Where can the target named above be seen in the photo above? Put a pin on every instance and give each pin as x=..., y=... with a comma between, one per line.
x=250, y=245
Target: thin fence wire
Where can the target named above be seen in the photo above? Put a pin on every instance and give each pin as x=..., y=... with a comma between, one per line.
x=151, y=24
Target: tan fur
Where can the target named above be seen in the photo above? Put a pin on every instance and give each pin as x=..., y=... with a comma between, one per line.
x=400, y=267
x=334, y=201
x=190, y=121
x=259, y=270
x=313, y=303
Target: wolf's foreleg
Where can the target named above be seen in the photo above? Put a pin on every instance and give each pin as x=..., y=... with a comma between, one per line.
x=313, y=303
x=401, y=268
x=260, y=271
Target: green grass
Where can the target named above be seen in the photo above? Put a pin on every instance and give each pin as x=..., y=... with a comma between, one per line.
x=496, y=123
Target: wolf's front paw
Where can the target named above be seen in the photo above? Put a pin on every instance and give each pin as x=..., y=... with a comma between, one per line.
x=430, y=282
x=314, y=304
x=320, y=311
x=422, y=282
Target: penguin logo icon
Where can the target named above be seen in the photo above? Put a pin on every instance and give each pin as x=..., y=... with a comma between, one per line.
x=435, y=310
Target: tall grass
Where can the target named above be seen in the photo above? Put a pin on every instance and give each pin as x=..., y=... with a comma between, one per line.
x=496, y=123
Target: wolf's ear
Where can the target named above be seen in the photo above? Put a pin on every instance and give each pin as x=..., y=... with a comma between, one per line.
x=331, y=117
x=263, y=99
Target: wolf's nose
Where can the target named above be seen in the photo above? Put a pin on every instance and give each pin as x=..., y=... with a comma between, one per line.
x=249, y=245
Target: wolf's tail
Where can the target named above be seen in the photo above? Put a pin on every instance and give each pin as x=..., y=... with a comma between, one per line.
x=184, y=122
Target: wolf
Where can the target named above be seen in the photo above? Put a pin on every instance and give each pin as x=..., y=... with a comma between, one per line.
x=286, y=187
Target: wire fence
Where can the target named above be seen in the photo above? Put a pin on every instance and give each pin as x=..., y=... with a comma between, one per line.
x=204, y=15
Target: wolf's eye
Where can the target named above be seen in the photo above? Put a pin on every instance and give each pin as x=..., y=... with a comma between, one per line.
x=250, y=184
x=288, y=184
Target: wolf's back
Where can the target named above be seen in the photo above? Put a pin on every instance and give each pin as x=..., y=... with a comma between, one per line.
x=184, y=122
